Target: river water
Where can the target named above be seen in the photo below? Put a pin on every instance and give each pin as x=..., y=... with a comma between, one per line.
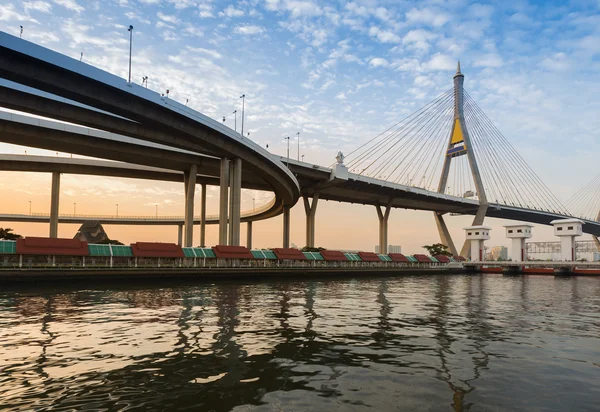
x=409, y=343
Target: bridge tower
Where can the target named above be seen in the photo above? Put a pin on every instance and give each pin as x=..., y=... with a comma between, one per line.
x=459, y=144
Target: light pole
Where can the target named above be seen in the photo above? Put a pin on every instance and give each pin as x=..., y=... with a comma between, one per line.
x=235, y=121
x=130, y=41
x=298, y=135
x=243, y=97
x=302, y=157
x=74, y=208
x=117, y=210
x=21, y=34
x=156, y=210
x=288, y=151
x=253, y=204
x=30, y=207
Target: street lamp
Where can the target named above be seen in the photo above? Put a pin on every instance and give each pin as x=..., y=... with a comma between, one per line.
x=74, y=208
x=298, y=135
x=243, y=97
x=302, y=157
x=130, y=30
x=21, y=34
x=253, y=203
x=117, y=210
x=156, y=210
x=288, y=151
x=30, y=207
x=235, y=121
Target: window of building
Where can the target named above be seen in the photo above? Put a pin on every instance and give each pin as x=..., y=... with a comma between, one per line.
x=559, y=228
x=570, y=227
x=470, y=233
x=510, y=230
x=476, y=233
x=519, y=230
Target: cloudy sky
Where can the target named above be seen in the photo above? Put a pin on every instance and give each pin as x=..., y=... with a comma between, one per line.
x=339, y=73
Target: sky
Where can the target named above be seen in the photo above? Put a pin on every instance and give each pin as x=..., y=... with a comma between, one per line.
x=337, y=72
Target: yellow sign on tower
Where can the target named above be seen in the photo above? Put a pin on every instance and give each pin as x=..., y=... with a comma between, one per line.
x=457, y=135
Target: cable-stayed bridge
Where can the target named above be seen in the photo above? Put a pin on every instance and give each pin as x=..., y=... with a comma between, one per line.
x=446, y=158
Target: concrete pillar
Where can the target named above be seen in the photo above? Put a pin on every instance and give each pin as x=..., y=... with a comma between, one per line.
x=286, y=226
x=383, y=226
x=311, y=210
x=567, y=230
x=190, y=190
x=179, y=234
x=445, y=237
x=249, y=235
x=55, y=194
x=223, y=201
x=236, y=202
x=203, y=217
x=477, y=235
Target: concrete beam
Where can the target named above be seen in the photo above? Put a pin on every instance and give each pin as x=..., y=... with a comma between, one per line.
x=286, y=226
x=54, y=198
x=311, y=210
x=224, y=201
x=179, y=234
x=190, y=191
x=203, y=217
x=445, y=237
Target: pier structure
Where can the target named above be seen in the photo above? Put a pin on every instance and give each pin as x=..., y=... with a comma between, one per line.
x=476, y=236
x=567, y=230
x=518, y=233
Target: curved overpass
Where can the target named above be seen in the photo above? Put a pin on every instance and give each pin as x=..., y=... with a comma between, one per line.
x=132, y=110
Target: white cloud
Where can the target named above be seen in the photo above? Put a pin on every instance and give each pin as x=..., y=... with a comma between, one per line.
x=231, y=11
x=557, y=62
x=341, y=96
x=9, y=13
x=441, y=62
x=249, y=30
x=167, y=18
x=378, y=62
x=488, y=60
x=430, y=17
x=40, y=6
x=384, y=36
x=70, y=4
x=182, y=4
x=419, y=39
x=212, y=53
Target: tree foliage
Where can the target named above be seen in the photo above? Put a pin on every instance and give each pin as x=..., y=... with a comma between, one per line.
x=312, y=249
x=8, y=234
x=110, y=242
x=437, y=249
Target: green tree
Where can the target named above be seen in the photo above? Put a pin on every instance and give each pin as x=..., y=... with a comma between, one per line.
x=312, y=249
x=110, y=242
x=7, y=234
x=437, y=249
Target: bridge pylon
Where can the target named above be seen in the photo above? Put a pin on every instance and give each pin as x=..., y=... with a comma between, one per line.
x=596, y=238
x=459, y=144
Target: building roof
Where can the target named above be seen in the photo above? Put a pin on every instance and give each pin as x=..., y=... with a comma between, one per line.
x=51, y=246
x=289, y=254
x=151, y=249
x=558, y=221
x=232, y=252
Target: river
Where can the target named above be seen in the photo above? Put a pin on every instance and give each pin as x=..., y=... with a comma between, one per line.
x=407, y=343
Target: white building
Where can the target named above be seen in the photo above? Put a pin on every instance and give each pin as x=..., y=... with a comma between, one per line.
x=567, y=230
x=477, y=235
x=518, y=232
x=394, y=249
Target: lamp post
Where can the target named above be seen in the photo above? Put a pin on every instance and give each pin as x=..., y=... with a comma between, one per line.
x=298, y=135
x=302, y=157
x=21, y=34
x=117, y=210
x=235, y=121
x=30, y=207
x=130, y=41
x=288, y=151
x=156, y=210
x=253, y=204
x=243, y=97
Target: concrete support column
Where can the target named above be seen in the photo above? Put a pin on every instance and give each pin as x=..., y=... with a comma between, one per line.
x=445, y=237
x=189, y=179
x=249, y=235
x=477, y=221
x=518, y=252
x=311, y=210
x=286, y=226
x=203, y=217
x=384, y=216
x=179, y=234
x=236, y=202
x=55, y=194
x=223, y=201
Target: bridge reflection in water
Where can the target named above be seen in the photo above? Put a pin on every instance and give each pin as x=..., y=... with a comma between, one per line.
x=408, y=343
